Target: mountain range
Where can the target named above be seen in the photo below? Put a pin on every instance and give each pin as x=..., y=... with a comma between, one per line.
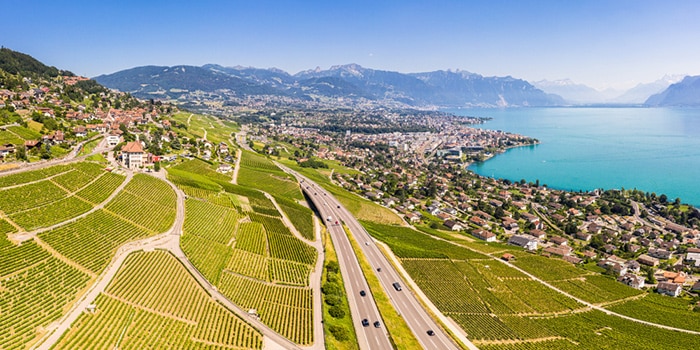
x=574, y=93
x=438, y=88
x=685, y=93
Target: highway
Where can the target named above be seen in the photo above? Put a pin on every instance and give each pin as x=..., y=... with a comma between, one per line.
x=361, y=307
x=405, y=302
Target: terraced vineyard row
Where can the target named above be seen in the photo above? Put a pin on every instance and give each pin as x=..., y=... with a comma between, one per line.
x=283, y=245
x=661, y=309
x=596, y=289
x=259, y=172
x=91, y=241
x=286, y=310
x=34, y=297
x=300, y=216
x=199, y=221
x=251, y=237
x=31, y=176
x=158, y=305
x=133, y=282
x=209, y=257
x=98, y=191
x=29, y=196
x=146, y=201
x=51, y=214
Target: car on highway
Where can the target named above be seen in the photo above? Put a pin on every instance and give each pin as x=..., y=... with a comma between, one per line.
x=397, y=286
x=338, y=207
x=430, y=332
x=365, y=322
x=377, y=324
x=362, y=293
x=366, y=243
x=379, y=269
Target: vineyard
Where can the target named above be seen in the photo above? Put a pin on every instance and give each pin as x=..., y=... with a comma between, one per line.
x=259, y=172
x=50, y=201
x=596, y=289
x=237, y=240
x=147, y=202
x=199, y=216
x=286, y=310
x=92, y=241
x=661, y=309
x=35, y=288
x=300, y=216
x=154, y=302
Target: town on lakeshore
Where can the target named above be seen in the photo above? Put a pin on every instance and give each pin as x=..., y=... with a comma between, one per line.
x=228, y=222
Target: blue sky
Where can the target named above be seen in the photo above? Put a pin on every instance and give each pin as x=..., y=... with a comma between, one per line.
x=610, y=43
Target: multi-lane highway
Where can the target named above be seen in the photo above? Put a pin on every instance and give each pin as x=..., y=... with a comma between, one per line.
x=427, y=331
x=362, y=307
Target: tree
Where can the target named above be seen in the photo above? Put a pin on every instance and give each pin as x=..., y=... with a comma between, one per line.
x=21, y=152
x=663, y=199
x=156, y=166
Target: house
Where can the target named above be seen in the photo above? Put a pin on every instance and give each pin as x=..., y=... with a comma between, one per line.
x=132, y=155
x=413, y=217
x=584, y=236
x=633, y=266
x=224, y=168
x=558, y=250
x=442, y=216
x=558, y=240
x=508, y=257
x=526, y=241
x=452, y=225
x=693, y=257
x=572, y=259
x=539, y=234
x=647, y=260
x=80, y=131
x=113, y=139
x=667, y=288
x=659, y=253
x=529, y=217
x=510, y=223
x=478, y=221
x=223, y=148
x=632, y=280
x=6, y=149
x=484, y=235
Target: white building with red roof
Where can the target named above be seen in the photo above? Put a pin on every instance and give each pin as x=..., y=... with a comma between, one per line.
x=133, y=155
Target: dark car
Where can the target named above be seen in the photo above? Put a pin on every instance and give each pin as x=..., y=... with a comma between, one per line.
x=362, y=293
x=379, y=269
x=338, y=207
x=365, y=322
x=430, y=332
x=377, y=324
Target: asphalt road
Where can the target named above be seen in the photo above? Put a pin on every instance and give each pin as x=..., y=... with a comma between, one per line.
x=361, y=307
x=405, y=302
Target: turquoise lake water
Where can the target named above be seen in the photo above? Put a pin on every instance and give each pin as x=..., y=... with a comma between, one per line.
x=651, y=149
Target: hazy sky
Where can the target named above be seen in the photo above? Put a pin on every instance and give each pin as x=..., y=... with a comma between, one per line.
x=608, y=43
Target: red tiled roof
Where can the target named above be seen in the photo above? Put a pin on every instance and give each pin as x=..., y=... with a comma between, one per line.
x=133, y=147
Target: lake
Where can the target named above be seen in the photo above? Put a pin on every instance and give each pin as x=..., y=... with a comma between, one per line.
x=651, y=149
